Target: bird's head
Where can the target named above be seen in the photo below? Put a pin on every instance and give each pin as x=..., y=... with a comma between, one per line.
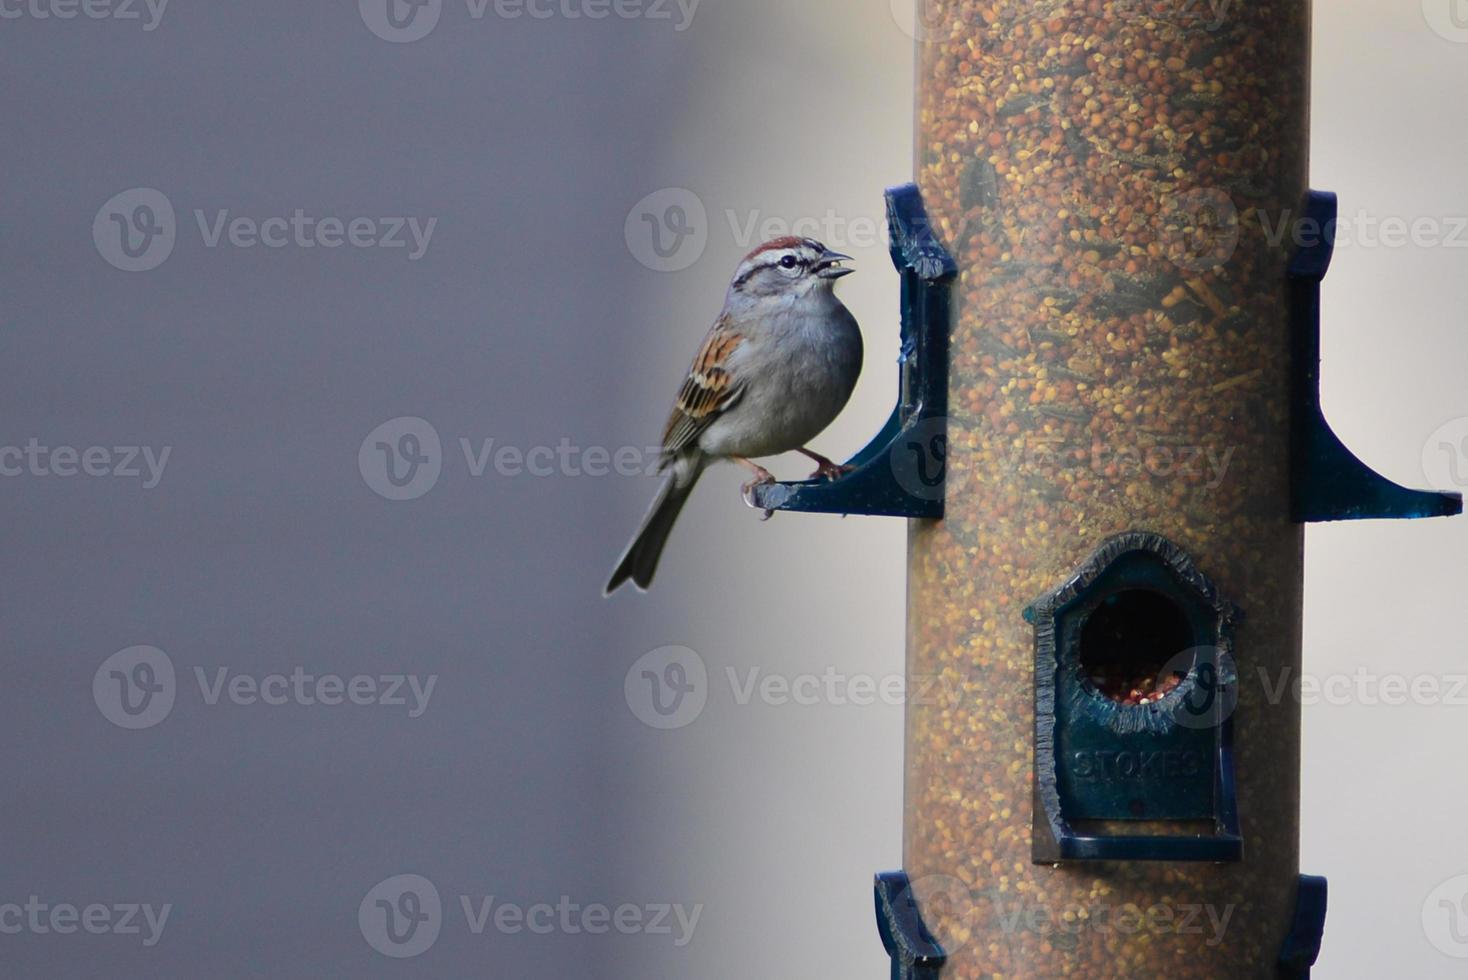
x=788, y=268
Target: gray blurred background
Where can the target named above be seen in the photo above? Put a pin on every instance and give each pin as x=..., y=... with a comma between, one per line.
x=544, y=153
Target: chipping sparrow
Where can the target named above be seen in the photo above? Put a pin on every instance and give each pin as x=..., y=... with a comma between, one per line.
x=776, y=368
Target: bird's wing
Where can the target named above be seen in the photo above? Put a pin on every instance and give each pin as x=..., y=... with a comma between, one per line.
x=707, y=392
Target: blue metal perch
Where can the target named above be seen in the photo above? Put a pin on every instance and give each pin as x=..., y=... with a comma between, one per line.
x=1328, y=482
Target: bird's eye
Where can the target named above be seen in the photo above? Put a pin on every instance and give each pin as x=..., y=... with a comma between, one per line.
x=788, y=262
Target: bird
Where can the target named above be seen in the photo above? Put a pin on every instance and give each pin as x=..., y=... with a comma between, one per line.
x=776, y=368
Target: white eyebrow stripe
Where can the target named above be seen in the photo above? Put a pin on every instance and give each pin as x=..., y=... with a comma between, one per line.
x=771, y=259
x=754, y=265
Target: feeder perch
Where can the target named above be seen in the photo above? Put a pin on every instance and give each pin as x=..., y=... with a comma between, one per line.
x=1329, y=482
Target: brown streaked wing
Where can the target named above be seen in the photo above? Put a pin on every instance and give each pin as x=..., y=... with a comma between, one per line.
x=708, y=391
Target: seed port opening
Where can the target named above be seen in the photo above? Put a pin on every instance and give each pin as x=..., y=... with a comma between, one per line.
x=1129, y=644
x=1122, y=761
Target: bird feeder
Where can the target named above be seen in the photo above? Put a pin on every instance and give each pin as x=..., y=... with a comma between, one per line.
x=1109, y=438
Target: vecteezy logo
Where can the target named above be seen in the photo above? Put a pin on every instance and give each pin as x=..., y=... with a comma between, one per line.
x=400, y=21
x=1445, y=917
x=920, y=459
x=946, y=899
x=135, y=230
x=1447, y=18
x=1445, y=456
x=924, y=20
x=134, y=688
x=1199, y=229
x=921, y=456
x=667, y=687
x=667, y=230
x=401, y=458
x=401, y=916
x=1210, y=692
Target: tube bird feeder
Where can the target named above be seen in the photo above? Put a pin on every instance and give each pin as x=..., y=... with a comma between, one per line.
x=1115, y=262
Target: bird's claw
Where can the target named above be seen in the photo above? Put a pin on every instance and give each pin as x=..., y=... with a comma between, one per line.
x=747, y=492
x=831, y=471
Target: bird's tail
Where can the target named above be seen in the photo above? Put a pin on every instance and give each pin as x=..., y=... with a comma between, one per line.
x=640, y=560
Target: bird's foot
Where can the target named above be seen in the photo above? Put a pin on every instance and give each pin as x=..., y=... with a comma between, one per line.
x=831, y=471
x=764, y=479
x=825, y=468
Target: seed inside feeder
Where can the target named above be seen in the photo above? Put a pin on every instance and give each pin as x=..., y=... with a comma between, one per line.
x=1128, y=646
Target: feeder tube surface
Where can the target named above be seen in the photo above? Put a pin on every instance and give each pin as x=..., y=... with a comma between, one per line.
x=1113, y=178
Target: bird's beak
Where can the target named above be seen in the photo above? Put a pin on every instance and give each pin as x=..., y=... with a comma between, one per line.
x=828, y=266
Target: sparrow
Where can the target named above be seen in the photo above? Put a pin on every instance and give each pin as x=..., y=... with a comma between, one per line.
x=776, y=368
